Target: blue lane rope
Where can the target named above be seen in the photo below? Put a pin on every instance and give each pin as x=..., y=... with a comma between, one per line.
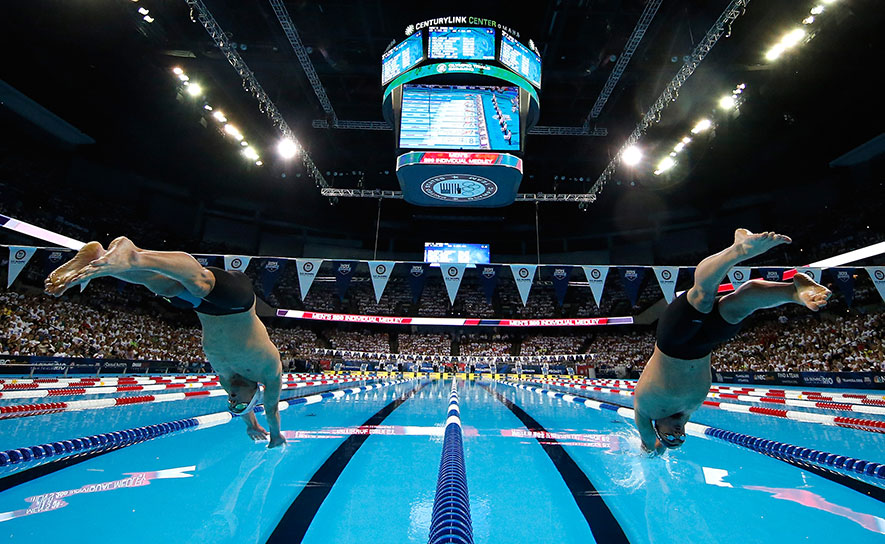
x=450, y=522
x=762, y=445
x=132, y=436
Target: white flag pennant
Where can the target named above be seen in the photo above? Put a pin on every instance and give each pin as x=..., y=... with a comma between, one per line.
x=453, y=273
x=739, y=275
x=811, y=272
x=19, y=257
x=524, y=275
x=667, y=280
x=877, y=274
x=307, y=271
x=380, y=272
x=596, y=278
x=236, y=262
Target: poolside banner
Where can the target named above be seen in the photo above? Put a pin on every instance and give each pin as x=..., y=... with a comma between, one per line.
x=207, y=260
x=812, y=272
x=236, y=262
x=772, y=274
x=631, y=277
x=271, y=272
x=844, y=279
x=343, y=274
x=524, y=276
x=453, y=273
x=417, y=279
x=739, y=275
x=489, y=274
x=307, y=271
x=667, y=280
x=19, y=257
x=596, y=278
x=380, y=272
x=877, y=274
x=561, y=275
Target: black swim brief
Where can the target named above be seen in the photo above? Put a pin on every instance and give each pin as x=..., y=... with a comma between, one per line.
x=686, y=333
x=232, y=294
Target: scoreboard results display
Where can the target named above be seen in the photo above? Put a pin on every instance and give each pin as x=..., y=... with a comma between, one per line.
x=445, y=253
x=460, y=117
x=462, y=42
x=520, y=59
x=402, y=57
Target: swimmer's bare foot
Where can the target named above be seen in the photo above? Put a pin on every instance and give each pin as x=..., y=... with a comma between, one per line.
x=121, y=257
x=750, y=245
x=62, y=278
x=810, y=293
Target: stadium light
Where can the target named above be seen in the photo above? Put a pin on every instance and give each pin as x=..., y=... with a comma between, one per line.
x=287, y=148
x=219, y=117
x=679, y=147
x=250, y=153
x=793, y=37
x=177, y=71
x=701, y=126
x=207, y=107
x=194, y=90
x=183, y=77
x=244, y=143
x=686, y=140
x=817, y=10
x=727, y=102
x=631, y=156
x=808, y=20
x=665, y=164
x=148, y=19
x=232, y=130
x=143, y=11
x=259, y=163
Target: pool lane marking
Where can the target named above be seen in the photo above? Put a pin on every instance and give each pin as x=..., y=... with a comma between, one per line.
x=300, y=514
x=86, y=448
x=802, y=458
x=599, y=517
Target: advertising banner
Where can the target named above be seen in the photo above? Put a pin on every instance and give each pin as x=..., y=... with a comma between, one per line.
x=380, y=272
x=271, y=272
x=19, y=257
x=667, y=280
x=596, y=278
x=307, y=271
x=524, y=276
x=561, y=276
x=631, y=277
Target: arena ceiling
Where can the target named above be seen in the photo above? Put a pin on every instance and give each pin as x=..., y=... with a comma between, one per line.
x=104, y=69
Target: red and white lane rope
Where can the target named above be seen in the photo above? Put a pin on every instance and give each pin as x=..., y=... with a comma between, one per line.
x=868, y=425
x=25, y=410
x=110, y=389
x=50, y=383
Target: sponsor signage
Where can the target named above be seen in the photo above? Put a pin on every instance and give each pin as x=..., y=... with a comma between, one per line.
x=458, y=20
x=845, y=380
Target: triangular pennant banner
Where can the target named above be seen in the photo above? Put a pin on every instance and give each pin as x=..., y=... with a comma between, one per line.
x=307, y=271
x=19, y=257
x=380, y=272
x=811, y=272
x=844, y=278
x=236, y=262
x=343, y=274
x=524, y=276
x=772, y=274
x=596, y=278
x=561, y=276
x=739, y=275
x=453, y=273
x=877, y=274
x=53, y=258
x=417, y=279
x=632, y=277
x=489, y=274
x=271, y=272
x=207, y=260
x=667, y=280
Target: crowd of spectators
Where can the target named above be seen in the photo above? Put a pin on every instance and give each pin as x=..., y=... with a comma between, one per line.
x=359, y=341
x=486, y=344
x=425, y=344
x=543, y=344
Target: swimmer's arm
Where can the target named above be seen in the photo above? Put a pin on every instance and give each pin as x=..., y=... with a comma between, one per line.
x=647, y=436
x=272, y=387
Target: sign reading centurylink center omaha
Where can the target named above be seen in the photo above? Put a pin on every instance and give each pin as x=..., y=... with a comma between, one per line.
x=458, y=20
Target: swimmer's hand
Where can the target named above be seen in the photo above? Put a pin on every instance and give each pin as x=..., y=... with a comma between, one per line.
x=257, y=433
x=276, y=441
x=658, y=450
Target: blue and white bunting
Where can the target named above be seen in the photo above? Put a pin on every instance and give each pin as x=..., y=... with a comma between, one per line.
x=236, y=262
x=19, y=256
x=667, y=280
x=380, y=272
x=524, y=276
x=453, y=273
x=596, y=275
x=307, y=271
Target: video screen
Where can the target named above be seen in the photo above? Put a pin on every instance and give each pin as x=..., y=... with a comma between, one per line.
x=460, y=117
x=445, y=252
x=521, y=59
x=402, y=57
x=462, y=42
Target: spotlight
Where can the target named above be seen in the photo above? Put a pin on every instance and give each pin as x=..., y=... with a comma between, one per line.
x=148, y=19
x=250, y=153
x=817, y=10
x=207, y=107
x=244, y=143
x=631, y=156
x=287, y=148
x=183, y=77
x=679, y=147
x=143, y=11
x=727, y=102
x=703, y=124
x=219, y=117
x=194, y=90
x=666, y=164
x=259, y=163
x=808, y=20
x=686, y=140
x=775, y=52
x=232, y=130
x=177, y=71
x=795, y=36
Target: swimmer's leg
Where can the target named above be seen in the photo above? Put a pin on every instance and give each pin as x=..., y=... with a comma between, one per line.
x=757, y=294
x=712, y=270
x=125, y=261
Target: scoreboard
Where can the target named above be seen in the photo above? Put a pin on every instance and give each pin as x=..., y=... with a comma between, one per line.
x=520, y=59
x=402, y=57
x=462, y=42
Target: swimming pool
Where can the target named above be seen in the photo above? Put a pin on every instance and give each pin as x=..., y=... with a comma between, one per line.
x=363, y=466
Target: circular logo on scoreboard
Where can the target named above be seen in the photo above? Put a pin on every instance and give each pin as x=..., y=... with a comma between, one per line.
x=236, y=263
x=20, y=254
x=441, y=68
x=459, y=188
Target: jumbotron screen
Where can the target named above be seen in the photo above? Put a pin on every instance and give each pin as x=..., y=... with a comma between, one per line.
x=402, y=57
x=462, y=42
x=520, y=59
x=460, y=117
x=445, y=252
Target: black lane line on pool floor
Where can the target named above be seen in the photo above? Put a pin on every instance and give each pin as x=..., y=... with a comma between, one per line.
x=29, y=474
x=870, y=490
x=602, y=522
x=304, y=508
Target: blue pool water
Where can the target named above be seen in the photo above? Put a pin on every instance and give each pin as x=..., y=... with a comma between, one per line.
x=521, y=486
